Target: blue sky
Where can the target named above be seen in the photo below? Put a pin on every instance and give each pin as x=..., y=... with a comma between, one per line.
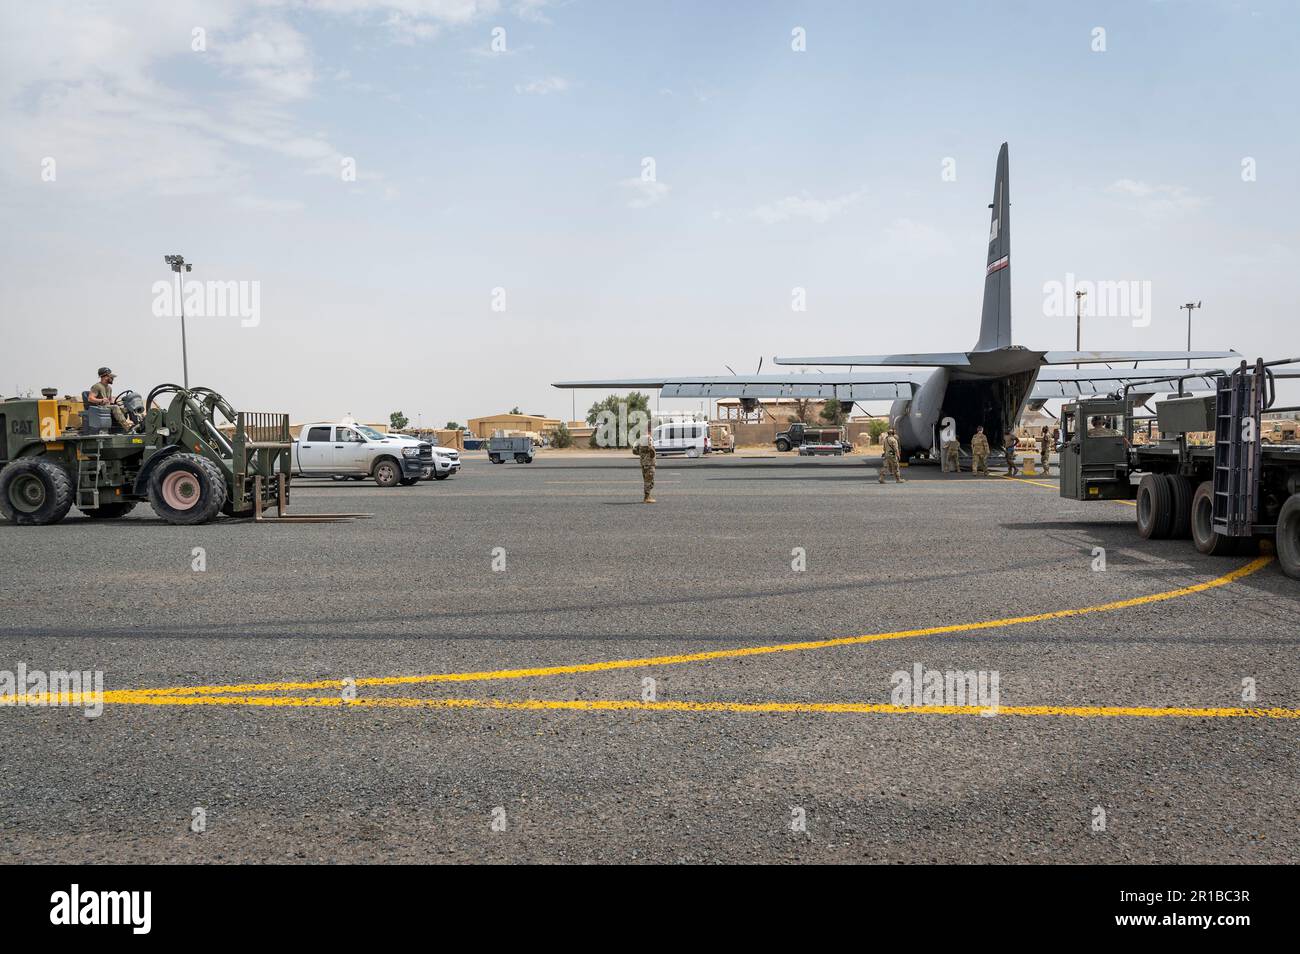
x=521, y=170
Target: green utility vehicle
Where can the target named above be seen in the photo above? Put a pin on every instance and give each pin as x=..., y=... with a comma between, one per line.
x=58, y=453
x=1225, y=495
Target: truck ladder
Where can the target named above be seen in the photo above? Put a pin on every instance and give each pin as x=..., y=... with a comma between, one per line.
x=1237, y=449
x=88, y=489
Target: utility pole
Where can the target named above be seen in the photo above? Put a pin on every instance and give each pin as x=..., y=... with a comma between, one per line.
x=178, y=265
x=1079, y=296
x=1190, y=306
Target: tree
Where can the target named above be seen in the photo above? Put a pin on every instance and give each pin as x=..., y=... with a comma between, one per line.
x=833, y=412
x=636, y=401
x=876, y=428
x=452, y=426
x=398, y=421
x=802, y=409
x=562, y=437
x=515, y=410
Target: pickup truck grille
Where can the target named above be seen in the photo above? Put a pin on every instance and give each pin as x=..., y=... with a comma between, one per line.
x=426, y=452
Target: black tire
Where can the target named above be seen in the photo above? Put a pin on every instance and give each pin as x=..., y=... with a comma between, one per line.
x=35, y=492
x=1154, y=507
x=783, y=445
x=187, y=489
x=387, y=472
x=521, y=458
x=109, y=511
x=1203, y=535
x=409, y=481
x=443, y=476
x=1287, y=542
x=496, y=460
x=1180, y=502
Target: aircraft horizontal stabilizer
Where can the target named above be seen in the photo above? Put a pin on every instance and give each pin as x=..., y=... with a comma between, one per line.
x=1117, y=357
x=1071, y=382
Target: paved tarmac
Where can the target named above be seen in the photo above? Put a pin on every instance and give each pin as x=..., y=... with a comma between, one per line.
x=1121, y=734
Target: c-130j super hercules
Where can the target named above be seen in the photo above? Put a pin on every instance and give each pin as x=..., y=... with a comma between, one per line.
x=987, y=386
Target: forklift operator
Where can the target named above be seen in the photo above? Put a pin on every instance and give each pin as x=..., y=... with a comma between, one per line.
x=101, y=393
x=1101, y=428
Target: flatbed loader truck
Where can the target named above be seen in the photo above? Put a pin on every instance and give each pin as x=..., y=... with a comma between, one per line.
x=63, y=452
x=1225, y=496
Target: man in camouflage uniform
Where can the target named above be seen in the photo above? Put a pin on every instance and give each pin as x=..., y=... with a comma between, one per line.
x=101, y=393
x=645, y=449
x=952, y=455
x=1045, y=449
x=1010, y=450
x=890, y=452
x=979, y=452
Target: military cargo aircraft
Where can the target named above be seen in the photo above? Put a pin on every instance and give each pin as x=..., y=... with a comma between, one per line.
x=988, y=386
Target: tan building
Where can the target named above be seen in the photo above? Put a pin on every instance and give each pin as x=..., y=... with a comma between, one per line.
x=487, y=426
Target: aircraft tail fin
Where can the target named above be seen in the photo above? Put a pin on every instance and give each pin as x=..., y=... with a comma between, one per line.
x=995, y=320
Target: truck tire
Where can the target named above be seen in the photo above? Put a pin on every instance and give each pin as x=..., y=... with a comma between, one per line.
x=1154, y=507
x=442, y=476
x=521, y=458
x=387, y=472
x=409, y=481
x=109, y=511
x=1180, y=501
x=1287, y=542
x=34, y=492
x=187, y=489
x=1203, y=534
x=783, y=445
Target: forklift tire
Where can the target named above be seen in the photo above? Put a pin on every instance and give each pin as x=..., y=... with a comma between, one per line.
x=1180, y=499
x=186, y=489
x=109, y=511
x=783, y=445
x=34, y=492
x=1203, y=535
x=1155, y=511
x=1287, y=542
x=387, y=472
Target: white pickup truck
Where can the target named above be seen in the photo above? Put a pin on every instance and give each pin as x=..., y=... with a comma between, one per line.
x=355, y=451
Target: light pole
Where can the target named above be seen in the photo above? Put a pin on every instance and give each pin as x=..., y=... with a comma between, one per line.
x=178, y=265
x=1189, y=306
x=1079, y=296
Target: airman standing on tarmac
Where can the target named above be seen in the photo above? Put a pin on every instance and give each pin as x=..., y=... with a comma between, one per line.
x=101, y=393
x=952, y=455
x=1045, y=449
x=1010, y=451
x=979, y=452
x=645, y=449
x=890, y=452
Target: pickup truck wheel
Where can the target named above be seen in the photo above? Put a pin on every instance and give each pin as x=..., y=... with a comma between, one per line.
x=1180, y=502
x=409, y=481
x=1203, y=535
x=1154, y=507
x=783, y=445
x=34, y=492
x=387, y=473
x=442, y=476
x=1287, y=542
x=186, y=489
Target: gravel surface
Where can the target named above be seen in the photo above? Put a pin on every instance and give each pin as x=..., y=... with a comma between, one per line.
x=590, y=575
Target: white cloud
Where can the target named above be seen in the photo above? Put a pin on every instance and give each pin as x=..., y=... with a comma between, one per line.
x=273, y=56
x=646, y=192
x=913, y=239
x=544, y=86
x=1156, y=199
x=806, y=207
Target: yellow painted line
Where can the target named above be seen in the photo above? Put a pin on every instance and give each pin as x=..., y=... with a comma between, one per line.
x=1039, y=483
x=615, y=664
x=628, y=705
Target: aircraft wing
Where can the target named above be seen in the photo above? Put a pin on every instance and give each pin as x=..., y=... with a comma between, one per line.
x=864, y=386
x=1078, y=382
x=1119, y=357
x=923, y=360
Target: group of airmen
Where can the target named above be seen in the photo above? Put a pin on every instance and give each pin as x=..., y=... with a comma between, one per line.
x=891, y=454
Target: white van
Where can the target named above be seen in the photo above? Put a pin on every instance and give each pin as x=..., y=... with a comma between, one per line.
x=682, y=437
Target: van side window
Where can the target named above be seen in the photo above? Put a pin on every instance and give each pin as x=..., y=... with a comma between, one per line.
x=318, y=434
